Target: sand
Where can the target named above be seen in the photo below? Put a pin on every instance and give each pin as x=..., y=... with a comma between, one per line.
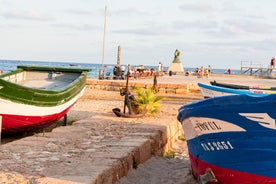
x=163, y=170
x=158, y=169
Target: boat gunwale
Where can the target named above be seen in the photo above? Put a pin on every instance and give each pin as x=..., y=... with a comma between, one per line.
x=224, y=89
x=61, y=96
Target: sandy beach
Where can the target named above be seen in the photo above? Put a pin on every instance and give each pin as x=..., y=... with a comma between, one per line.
x=157, y=169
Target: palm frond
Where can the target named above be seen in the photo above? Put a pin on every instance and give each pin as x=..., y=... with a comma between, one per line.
x=147, y=100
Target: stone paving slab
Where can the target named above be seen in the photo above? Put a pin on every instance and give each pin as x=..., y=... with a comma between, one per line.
x=102, y=149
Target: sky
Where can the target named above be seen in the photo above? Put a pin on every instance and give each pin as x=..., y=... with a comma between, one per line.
x=220, y=33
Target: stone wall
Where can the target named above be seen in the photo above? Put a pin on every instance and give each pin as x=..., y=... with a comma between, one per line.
x=116, y=85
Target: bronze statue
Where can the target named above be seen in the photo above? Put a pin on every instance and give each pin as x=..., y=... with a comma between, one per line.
x=176, y=56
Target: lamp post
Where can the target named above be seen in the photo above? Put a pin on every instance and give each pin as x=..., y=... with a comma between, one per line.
x=101, y=72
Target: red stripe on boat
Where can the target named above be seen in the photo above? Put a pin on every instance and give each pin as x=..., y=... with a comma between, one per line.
x=17, y=123
x=227, y=176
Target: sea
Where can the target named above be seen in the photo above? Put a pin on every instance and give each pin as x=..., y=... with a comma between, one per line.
x=10, y=65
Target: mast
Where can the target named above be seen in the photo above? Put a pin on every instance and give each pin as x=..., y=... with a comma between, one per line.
x=105, y=12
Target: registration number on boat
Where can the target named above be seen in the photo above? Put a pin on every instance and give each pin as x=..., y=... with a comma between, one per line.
x=217, y=146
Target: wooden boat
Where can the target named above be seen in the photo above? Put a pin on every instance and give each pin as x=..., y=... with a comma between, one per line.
x=231, y=139
x=73, y=64
x=235, y=86
x=34, y=97
x=209, y=91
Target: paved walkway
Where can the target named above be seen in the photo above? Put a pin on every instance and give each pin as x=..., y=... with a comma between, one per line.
x=234, y=79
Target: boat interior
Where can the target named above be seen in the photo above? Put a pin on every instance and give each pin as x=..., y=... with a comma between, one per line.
x=43, y=80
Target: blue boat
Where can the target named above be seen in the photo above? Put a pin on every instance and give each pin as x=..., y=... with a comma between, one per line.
x=231, y=139
x=236, y=86
x=209, y=91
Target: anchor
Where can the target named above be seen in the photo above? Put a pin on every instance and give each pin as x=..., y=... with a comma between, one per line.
x=209, y=176
x=127, y=103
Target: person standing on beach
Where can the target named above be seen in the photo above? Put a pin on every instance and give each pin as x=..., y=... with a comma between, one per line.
x=229, y=71
x=128, y=68
x=154, y=87
x=272, y=62
x=209, y=69
x=207, y=72
x=202, y=72
x=117, y=72
x=123, y=69
x=160, y=68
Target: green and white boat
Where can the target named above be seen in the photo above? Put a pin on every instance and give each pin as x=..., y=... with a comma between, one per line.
x=33, y=97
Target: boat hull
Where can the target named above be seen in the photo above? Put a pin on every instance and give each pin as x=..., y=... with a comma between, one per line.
x=227, y=176
x=22, y=117
x=209, y=91
x=235, y=86
x=233, y=136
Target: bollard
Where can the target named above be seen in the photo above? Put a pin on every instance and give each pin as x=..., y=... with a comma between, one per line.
x=0, y=129
x=65, y=120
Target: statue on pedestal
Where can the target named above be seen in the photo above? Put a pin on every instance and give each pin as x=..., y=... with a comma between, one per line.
x=176, y=56
x=176, y=66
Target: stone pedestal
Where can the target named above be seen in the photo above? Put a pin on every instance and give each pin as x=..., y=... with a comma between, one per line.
x=176, y=68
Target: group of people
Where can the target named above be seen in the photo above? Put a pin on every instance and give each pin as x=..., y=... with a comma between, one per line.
x=201, y=72
x=120, y=72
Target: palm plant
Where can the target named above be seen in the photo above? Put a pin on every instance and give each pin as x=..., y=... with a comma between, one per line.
x=147, y=102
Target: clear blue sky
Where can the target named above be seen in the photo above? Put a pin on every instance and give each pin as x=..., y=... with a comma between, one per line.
x=220, y=33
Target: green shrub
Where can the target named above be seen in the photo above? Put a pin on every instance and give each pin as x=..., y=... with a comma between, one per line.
x=147, y=101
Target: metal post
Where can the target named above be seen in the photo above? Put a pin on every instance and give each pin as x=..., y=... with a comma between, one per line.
x=65, y=120
x=101, y=72
x=127, y=93
x=0, y=130
x=105, y=12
